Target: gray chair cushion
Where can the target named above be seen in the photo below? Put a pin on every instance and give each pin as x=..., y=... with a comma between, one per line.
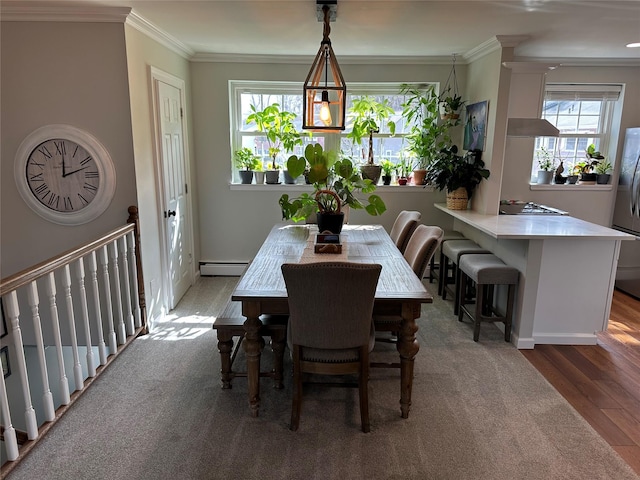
x=453, y=249
x=488, y=270
x=406, y=222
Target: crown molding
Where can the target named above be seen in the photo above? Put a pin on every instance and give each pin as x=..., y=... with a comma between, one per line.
x=308, y=59
x=481, y=50
x=152, y=31
x=582, y=62
x=54, y=12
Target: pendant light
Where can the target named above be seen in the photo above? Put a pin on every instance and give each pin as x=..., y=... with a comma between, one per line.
x=324, y=89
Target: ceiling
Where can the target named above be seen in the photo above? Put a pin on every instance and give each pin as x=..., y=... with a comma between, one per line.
x=554, y=29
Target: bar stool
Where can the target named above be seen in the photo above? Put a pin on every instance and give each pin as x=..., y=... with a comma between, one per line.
x=452, y=251
x=434, y=268
x=486, y=271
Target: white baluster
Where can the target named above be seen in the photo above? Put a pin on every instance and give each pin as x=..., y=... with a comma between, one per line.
x=124, y=261
x=10, y=440
x=93, y=275
x=47, y=397
x=77, y=367
x=113, y=344
x=13, y=313
x=91, y=365
x=63, y=383
x=120, y=330
x=133, y=273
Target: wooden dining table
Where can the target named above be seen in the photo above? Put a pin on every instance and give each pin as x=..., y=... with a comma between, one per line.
x=262, y=290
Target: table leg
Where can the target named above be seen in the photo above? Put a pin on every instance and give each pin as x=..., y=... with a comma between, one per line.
x=253, y=345
x=408, y=347
x=225, y=346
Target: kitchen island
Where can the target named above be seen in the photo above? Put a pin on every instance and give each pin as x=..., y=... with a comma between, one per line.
x=567, y=271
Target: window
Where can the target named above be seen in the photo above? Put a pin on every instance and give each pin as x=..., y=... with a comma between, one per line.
x=289, y=96
x=583, y=114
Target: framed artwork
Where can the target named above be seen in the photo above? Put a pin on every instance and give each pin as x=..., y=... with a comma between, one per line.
x=475, y=126
x=4, y=357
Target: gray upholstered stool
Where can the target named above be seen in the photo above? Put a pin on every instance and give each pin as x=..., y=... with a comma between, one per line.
x=452, y=251
x=486, y=271
x=434, y=268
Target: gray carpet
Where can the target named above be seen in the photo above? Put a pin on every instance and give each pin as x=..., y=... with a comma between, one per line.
x=480, y=411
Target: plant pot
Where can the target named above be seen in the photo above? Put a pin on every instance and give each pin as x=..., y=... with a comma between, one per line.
x=331, y=222
x=246, y=176
x=371, y=172
x=386, y=179
x=272, y=176
x=572, y=179
x=259, y=176
x=402, y=181
x=588, y=178
x=458, y=199
x=288, y=179
x=603, y=178
x=559, y=180
x=544, y=176
x=419, y=177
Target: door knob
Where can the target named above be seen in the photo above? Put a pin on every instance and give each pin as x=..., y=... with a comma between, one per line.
x=170, y=213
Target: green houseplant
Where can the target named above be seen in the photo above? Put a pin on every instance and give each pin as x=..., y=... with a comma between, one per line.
x=367, y=115
x=280, y=131
x=603, y=170
x=587, y=167
x=458, y=175
x=245, y=161
x=335, y=182
x=388, y=168
x=451, y=105
x=427, y=136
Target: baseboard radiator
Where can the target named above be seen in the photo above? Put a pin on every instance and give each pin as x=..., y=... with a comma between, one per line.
x=222, y=269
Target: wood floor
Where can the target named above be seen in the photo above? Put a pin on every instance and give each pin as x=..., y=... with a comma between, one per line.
x=602, y=382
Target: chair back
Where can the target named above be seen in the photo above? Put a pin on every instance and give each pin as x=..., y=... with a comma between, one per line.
x=406, y=222
x=421, y=246
x=331, y=303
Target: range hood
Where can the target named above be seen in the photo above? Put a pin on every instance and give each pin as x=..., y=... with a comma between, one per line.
x=531, y=127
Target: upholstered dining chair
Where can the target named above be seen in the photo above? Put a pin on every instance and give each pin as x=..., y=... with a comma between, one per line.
x=421, y=246
x=330, y=328
x=404, y=225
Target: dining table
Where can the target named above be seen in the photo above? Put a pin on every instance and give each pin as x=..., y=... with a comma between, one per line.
x=261, y=290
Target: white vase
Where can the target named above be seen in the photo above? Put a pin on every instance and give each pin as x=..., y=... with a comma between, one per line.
x=259, y=177
x=545, y=176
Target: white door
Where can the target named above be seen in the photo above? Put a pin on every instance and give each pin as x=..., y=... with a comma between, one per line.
x=176, y=217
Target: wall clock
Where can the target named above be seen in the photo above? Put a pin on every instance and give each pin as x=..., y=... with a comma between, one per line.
x=64, y=174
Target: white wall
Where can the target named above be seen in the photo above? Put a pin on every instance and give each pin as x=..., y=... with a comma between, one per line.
x=73, y=73
x=233, y=224
x=142, y=53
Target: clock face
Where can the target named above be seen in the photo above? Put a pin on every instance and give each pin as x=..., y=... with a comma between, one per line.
x=62, y=175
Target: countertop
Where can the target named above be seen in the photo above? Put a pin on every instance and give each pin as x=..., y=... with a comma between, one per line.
x=535, y=227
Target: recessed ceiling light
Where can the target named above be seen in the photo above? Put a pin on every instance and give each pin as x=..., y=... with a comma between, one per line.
x=634, y=45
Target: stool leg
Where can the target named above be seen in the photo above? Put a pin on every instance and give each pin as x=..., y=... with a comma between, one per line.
x=461, y=296
x=456, y=290
x=509, y=315
x=480, y=296
x=444, y=275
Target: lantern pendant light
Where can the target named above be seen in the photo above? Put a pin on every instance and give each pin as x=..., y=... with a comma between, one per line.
x=324, y=89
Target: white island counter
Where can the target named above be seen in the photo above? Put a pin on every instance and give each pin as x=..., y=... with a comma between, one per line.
x=567, y=272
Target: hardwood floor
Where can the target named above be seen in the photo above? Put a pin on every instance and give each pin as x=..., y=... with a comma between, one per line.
x=602, y=382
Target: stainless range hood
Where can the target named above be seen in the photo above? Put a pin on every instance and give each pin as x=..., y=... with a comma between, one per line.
x=531, y=127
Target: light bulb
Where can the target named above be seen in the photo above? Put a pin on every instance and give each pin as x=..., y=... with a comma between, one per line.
x=325, y=113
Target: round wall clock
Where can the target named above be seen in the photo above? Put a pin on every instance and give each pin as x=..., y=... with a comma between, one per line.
x=64, y=174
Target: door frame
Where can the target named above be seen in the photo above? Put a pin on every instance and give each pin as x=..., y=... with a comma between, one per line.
x=156, y=75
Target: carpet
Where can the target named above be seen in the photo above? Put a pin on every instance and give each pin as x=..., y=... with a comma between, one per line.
x=479, y=411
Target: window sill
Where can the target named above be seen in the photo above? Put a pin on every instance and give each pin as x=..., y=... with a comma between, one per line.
x=575, y=187
x=306, y=188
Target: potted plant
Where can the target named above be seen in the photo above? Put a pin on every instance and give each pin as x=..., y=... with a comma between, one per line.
x=246, y=161
x=451, y=105
x=258, y=172
x=587, y=174
x=388, y=167
x=335, y=181
x=603, y=170
x=367, y=115
x=426, y=136
x=458, y=175
x=280, y=131
x=404, y=169
x=545, y=165
x=574, y=171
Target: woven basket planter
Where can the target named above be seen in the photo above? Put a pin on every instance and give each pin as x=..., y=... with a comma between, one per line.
x=458, y=199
